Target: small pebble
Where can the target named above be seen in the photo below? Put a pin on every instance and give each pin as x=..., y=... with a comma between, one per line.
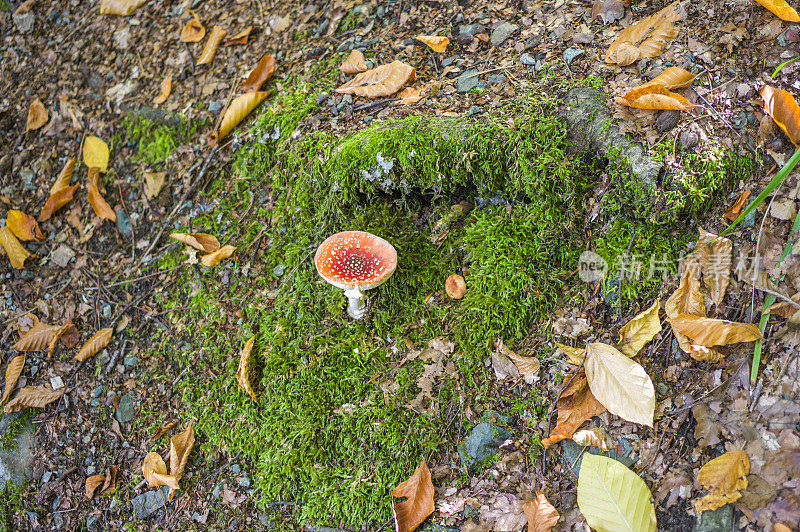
x=474, y=110
x=527, y=59
x=214, y=107
x=244, y=482
x=56, y=382
x=667, y=120
x=688, y=139
x=571, y=53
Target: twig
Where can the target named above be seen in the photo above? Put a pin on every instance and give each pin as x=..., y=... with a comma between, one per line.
x=137, y=279
x=116, y=355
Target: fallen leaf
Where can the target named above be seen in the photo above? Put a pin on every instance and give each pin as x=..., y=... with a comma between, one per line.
x=194, y=30
x=64, y=178
x=119, y=7
x=380, y=81
x=620, y=384
x=714, y=254
x=672, y=78
x=264, y=70
x=279, y=24
x=95, y=153
x=23, y=226
x=418, y=490
x=608, y=10
x=783, y=109
x=688, y=299
x=781, y=9
x=13, y=371
x=574, y=354
x=354, y=64
x=24, y=7
x=153, y=183
x=92, y=483
x=239, y=38
x=180, y=446
x=733, y=211
x=242, y=376
x=612, y=497
x=32, y=397
x=212, y=259
x=98, y=341
x=67, y=327
x=542, y=516
x=99, y=205
x=655, y=97
x=166, y=88
x=575, y=405
x=528, y=366
x=37, y=337
x=57, y=200
x=596, y=437
x=646, y=38
x=410, y=95
x=163, y=429
x=37, y=116
x=111, y=479
x=455, y=286
x=640, y=330
x=210, y=49
x=155, y=472
x=201, y=241
x=240, y=107
x=709, y=332
x=502, y=365
x=723, y=477
x=437, y=44
x=16, y=252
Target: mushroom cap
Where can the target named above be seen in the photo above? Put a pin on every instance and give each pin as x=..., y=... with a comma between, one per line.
x=355, y=260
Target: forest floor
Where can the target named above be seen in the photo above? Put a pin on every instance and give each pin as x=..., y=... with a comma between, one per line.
x=480, y=181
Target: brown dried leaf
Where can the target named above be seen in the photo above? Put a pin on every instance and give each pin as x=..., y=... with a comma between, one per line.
x=264, y=70
x=242, y=376
x=596, y=437
x=99, y=205
x=155, y=472
x=64, y=177
x=201, y=241
x=240, y=107
x=153, y=183
x=782, y=9
x=34, y=397
x=119, y=7
x=646, y=38
x=655, y=97
x=57, y=200
x=435, y=43
x=166, y=88
x=67, y=327
x=410, y=95
x=194, y=30
x=709, y=332
x=733, y=211
x=111, y=479
x=528, y=366
x=354, y=64
x=180, y=446
x=23, y=226
x=542, y=516
x=723, y=477
x=17, y=254
x=688, y=299
x=576, y=405
x=210, y=49
x=574, y=354
x=97, y=342
x=239, y=38
x=12, y=374
x=212, y=259
x=418, y=489
x=92, y=483
x=37, y=116
x=24, y=7
x=162, y=430
x=672, y=78
x=37, y=337
x=783, y=109
x=714, y=254
x=380, y=81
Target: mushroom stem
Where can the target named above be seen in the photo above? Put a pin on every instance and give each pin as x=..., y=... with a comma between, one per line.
x=355, y=303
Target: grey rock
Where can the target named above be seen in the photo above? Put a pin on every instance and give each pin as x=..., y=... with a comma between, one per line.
x=235, y=469
x=321, y=98
x=719, y=520
x=750, y=219
x=447, y=61
x=470, y=29
x=496, y=78
x=468, y=81
x=126, y=409
x=217, y=490
x=527, y=59
x=502, y=32
x=149, y=502
x=123, y=222
x=131, y=361
x=688, y=139
x=27, y=176
x=481, y=443
x=474, y=110
x=573, y=454
x=667, y=120
x=214, y=107
x=62, y=255
x=122, y=38
x=24, y=21
x=106, y=310
x=16, y=461
x=571, y=53
x=244, y=482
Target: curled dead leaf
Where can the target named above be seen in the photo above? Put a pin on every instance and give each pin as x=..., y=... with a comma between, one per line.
x=733, y=211
x=542, y=516
x=119, y=7
x=239, y=38
x=242, y=374
x=435, y=43
x=92, y=483
x=13, y=371
x=155, y=472
x=380, y=81
x=418, y=490
x=210, y=49
x=180, y=446
x=66, y=328
x=111, y=479
x=166, y=88
x=56, y=201
x=23, y=226
x=672, y=78
x=212, y=259
x=64, y=178
x=264, y=70
x=355, y=63
x=596, y=437
x=99, y=205
x=646, y=38
x=782, y=107
x=709, y=332
x=782, y=9
x=37, y=116
x=655, y=97
x=240, y=107
x=528, y=366
x=201, y=241
x=410, y=95
x=95, y=153
x=98, y=341
x=723, y=477
x=635, y=334
x=16, y=252
x=32, y=397
x=575, y=405
x=714, y=253
x=153, y=183
x=37, y=337
x=194, y=30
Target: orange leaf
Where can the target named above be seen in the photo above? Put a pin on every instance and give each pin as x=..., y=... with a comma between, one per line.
x=180, y=446
x=119, y=7
x=723, y=477
x=111, y=480
x=733, y=211
x=155, y=472
x=37, y=116
x=23, y=225
x=37, y=337
x=419, y=503
x=709, y=332
x=646, y=38
x=202, y=241
x=239, y=38
x=57, y=200
x=410, y=95
x=264, y=70
x=380, y=81
x=354, y=64
x=12, y=374
x=166, y=88
x=714, y=254
x=781, y=8
x=437, y=44
x=92, y=483
x=32, y=396
x=542, y=516
x=210, y=49
x=672, y=78
x=194, y=30
x=99, y=205
x=239, y=108
x=97, y=342
x=242, y=376
x=576, y=405
x=655, y=97
x=67, y=327
x=15, y=251
x=212, y=259
x=65, y=177
x=783, y=109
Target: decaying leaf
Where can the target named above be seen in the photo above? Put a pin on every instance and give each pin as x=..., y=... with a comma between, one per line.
x=194, y=30
x=12, y=374
x=709, y=332
x=783, y=109
x=410, y=95
x=37, y=337
x=32, y=397
x=655, y=97
x=672, y=78
x=723, y=477
x=574, y=354
x=354, y=64
x=16, y=252
x=688, y=299
x=596, y=437
x=153, y=183
x=620, y=384
x=239, y=38
x=212, y=259
x=714, y=253
x=57, y=200
x=576, y=405
x=612, y=497
x=155, y=472
x=111, y=479
x=98, y=341
x=435, y=43
x=99, y=205
x=608, y=10
x=37, y=116
x=242, y=375
x=92, y=483
x=95, y=153
x=166, y=88
x=264, y=70
x=640, y=330
x=418, y=490
x=646, y=38
x=66, y=328
x=180, y=446
x=279, y=24
x=380, y=81
x=781, y=8
x=23, y=226
x=201, y=241
x=119, y=7
x=64, y=178
x=240, y=107
x=542, y=516
x=733, y=211
x=528, y=366
x=210, y=49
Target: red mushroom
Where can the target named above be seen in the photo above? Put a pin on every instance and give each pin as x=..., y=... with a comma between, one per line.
x=355, y=261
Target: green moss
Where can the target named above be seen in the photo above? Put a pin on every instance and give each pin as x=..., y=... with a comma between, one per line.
x=15, y=428
x=10, y=506
x=157, y=139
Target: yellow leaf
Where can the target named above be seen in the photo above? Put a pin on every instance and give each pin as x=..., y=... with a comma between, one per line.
x=595, y=437
x=620, y=384
x=212, y=259
x=166, y=88
x=37, y=116
x=12, y=374
x=99, y=205
x=239, y=108
x=723, y=477
x=239, y=38
x=242, y=376
x=180, y=446
x=655, y=97
x=33, y=397
x=380, y=81
x=153, y=183
x=354, y=64
x=92, y=483
x=37, y=337
x=646, y=38
x=574, y=354
x=541, y=515
x=783, y=109
x=575, y=405
x=781, y=8
x=210, y=49
x=264, y=70
x=97, y=342
x=636, y=333
x=57, y=200
x=709, y=332
x=119, y=7
x=201, y=241
x=15, y=251
x=65, y=177
x=437, y=44
x=23, y=226
x=714, y=254
x=95, y=153
x=194, y=30
x=418, y=489
x=155, y=472
x=672, y=78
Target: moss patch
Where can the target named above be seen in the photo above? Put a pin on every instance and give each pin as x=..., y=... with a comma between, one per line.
x=155, y=140
x=10, y=506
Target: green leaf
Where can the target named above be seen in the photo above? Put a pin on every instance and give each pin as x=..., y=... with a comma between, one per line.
x=613, y=498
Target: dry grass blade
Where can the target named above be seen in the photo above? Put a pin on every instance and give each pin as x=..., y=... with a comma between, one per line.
x=354, y=64
x=435, y=43
x=23, y=226
x=194, y=30
x=37, y=337
x=264, y=70
x=242, y=374
x=97, y=342
x=380, y=81
x=646, y=38
x=200, y=241
x=155, y=472
x=57, y=200
x=542, y=516
x=64, y=177
x=13, y=372
x=781, y=8
x=239, y=108
x=92, y=483
x=418, y=489
x=672, y=78
x=166, y=88
x=32, y=397
x=37, y=116
x=210, y=49
x=783, y=109
x=709, y=332
x=17, y=254
x=99, y=205
x=212, y=259
x=655, y=97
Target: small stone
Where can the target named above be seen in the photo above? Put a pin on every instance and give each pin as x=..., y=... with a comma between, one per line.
x=474, y=110
x=27, y=176
x=667, y=120
x=122, y=38
x=106, y=310
x=571, y=53
x=470, y=29
x=447, y=61
x=131, y=361
x=149, y=502
x=214, y=107
x=24, y=21
x=126, y=408
x=481, y=443
x=235, y=469
x=663, y=389
x=321, y=98
x=279, y=270
x=244, y=482
x=46, y=477
x=62, y=255
x=496, y=78
x=468, y=81
x=56, y=382
x=527, y=59
x=715, y=520
x=502, y=32
x=216, y=492
x=688, y=139
x=123, y=222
